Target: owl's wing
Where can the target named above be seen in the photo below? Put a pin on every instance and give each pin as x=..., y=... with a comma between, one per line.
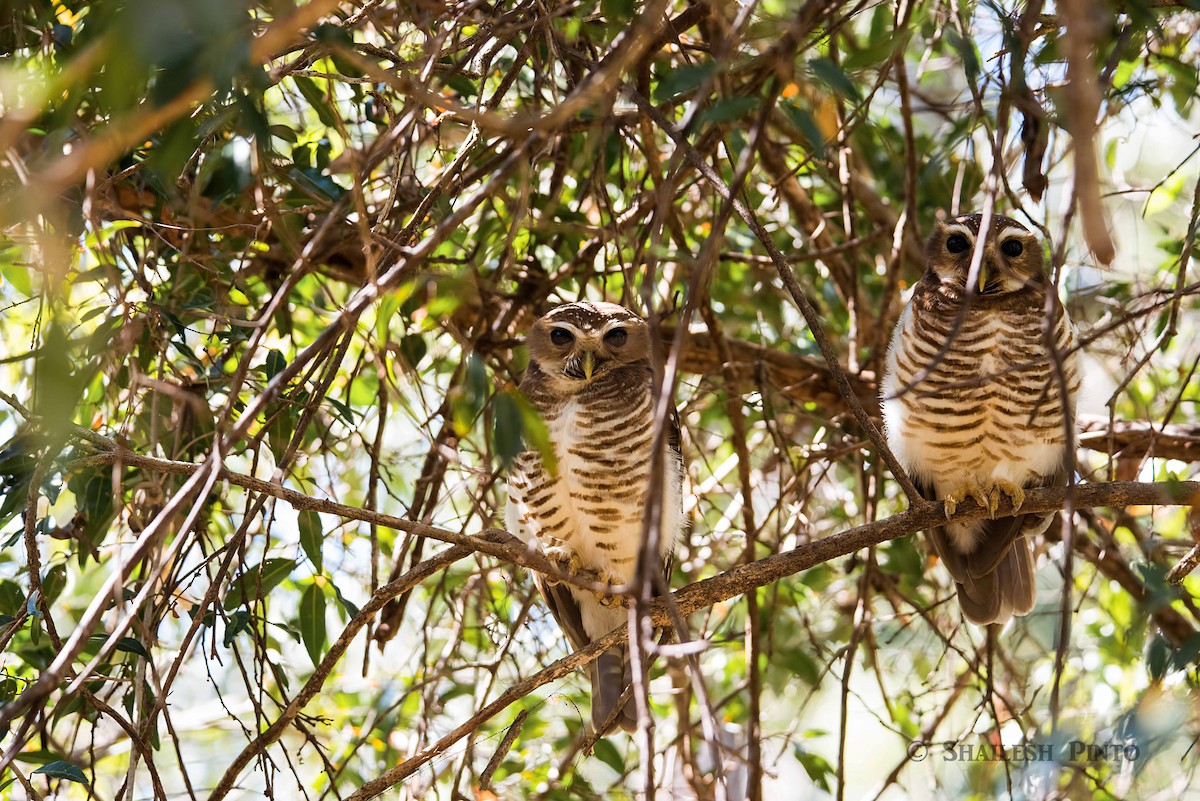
x=564, y=608
x=675, y=459
x=939, y=538
x=675, y=438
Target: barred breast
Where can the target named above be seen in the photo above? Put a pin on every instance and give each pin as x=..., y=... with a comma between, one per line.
x=603, y=439
x=993, y=407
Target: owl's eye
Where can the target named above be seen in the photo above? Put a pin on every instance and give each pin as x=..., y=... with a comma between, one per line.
x=1012, y=247
x=616, y=337
x=957, y=243
x=561, y=336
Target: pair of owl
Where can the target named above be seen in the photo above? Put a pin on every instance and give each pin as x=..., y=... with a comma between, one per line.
x=972, y=407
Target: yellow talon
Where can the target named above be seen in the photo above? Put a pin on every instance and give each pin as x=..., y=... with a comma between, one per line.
x=607, y=598
x=987, y=495
x=1002, y=487
x=565, y=559
x=983, y=498
x=969, y=489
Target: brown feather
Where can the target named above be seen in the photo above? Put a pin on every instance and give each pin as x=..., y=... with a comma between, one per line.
x=592, y=504
x=972, y=399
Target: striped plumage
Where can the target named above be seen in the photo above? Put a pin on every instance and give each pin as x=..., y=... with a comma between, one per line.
x=989, y=419
x=589, y=376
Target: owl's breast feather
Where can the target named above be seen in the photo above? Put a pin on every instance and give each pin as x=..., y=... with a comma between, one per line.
x=987, y=410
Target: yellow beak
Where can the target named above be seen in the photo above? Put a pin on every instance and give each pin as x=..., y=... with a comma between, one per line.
x=589, y=364
x=983, y=275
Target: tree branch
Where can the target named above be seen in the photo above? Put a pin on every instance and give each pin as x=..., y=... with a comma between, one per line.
x=808, y=380
x=747, y=577
x=136, y=127
x=694, y=597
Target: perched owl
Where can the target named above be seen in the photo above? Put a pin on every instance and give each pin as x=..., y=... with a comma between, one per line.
x=989, y=419
x=589, y=376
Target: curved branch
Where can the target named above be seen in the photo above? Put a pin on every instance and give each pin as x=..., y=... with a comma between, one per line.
x=695, y=597
x=380, y=598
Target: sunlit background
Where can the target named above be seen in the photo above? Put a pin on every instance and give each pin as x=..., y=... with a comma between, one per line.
x=182, y=200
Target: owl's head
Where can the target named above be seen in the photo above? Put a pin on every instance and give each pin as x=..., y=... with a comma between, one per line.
x=1012, y=255
x=582, y=341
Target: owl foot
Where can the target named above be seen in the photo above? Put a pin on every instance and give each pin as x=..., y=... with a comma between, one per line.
x=986, y=495
x=607, y=598
x=565, y=559
x=969, y=489
x=999, y=487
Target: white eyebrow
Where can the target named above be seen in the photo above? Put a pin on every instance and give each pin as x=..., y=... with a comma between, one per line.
x=1014, y=233
x=961, y=229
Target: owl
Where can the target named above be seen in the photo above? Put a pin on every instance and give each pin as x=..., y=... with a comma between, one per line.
x=589, y=377
x=978, y=411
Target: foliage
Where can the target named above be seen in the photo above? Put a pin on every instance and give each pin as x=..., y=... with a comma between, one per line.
x=257, y=260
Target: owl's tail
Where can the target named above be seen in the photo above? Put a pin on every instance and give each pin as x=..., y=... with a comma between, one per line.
x=996, y=581
x=1009, y=589
x=610, y=676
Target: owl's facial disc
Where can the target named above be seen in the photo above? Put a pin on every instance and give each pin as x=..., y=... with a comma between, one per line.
x=1011, y=256
x=593, y=353
x=580, y=342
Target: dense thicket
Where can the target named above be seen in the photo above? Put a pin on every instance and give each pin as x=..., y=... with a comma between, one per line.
x=264, y=274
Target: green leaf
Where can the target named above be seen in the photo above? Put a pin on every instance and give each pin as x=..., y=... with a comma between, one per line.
x=807, y=125
x=729, y=108
x=238, y=622
x=56, y=387
x=534, y=430
x=508, y=429
x=344, y=413
x=39, y=757
x=1186, y=653
x=316, y=98
x=316, y=182
x=350, y=607
x=131, y=646
x=18, y=276
x=830, y=74
x=1157, y=657
x=63, y=770
x=107, y=231
x=312, y=621
x=54, y=581
x=274, y=364
x=607, y=753
x=280, y=429
x=469, y=402
x=413, y=349
x=877, y=51
x=12, y=598
x=618, y=11
x=311, y=537
x=800, y=664
x=284, y=132
x=966, y=51
x=817, y=767
x=257, y=582
x=683, y=80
